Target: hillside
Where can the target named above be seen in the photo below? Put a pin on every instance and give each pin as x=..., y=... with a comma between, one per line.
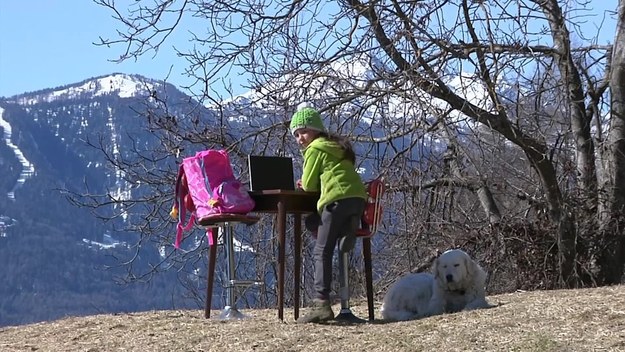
x=56, y=258
x=562, y=320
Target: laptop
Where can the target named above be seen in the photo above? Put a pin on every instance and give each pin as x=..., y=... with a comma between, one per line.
x=270, y=172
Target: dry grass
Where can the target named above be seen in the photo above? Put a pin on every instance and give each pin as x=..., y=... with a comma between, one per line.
x=564, y=320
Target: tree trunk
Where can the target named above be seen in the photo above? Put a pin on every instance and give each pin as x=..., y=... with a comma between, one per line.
x=612, y=257
x=580, y=126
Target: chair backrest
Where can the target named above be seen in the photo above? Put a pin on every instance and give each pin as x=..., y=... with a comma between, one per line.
x=372, y=216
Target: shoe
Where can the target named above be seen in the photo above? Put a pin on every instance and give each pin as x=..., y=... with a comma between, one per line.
x=320, y=311
x=347, y=243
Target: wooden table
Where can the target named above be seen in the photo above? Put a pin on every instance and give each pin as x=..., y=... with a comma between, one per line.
x=285, y=202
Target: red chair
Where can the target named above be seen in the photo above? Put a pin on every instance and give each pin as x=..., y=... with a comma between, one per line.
x=370, y=223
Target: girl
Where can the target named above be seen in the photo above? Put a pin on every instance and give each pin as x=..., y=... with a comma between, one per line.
x=329, y=169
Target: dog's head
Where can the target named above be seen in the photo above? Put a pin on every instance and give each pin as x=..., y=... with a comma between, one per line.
x=453, y=268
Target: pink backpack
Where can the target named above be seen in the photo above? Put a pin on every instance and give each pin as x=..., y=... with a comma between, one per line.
x=206, y=187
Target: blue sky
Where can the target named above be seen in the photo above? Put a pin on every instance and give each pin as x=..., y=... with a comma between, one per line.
x=49, y=43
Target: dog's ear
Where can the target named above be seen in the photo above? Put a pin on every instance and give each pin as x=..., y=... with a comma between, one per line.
x=472, y=267
x=434, y=269
x=468, y=265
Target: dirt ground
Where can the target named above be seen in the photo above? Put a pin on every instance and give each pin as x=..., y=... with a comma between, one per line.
x=562, y=320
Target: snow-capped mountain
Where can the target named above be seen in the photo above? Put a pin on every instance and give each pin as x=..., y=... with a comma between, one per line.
x=71, y=115
x=49, y=248
x=117, y=84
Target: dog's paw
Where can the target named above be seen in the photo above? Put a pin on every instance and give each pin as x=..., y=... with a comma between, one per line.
x=479, y=303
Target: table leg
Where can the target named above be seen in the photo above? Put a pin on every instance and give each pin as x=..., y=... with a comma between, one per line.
x=297, y=262
x=281, y=256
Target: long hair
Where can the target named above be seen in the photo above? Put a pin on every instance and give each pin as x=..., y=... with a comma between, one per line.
x=344, y=143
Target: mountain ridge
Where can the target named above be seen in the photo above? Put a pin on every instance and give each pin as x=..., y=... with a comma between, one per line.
x=123, y=83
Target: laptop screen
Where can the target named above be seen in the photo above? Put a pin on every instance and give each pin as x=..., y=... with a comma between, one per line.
x=270, y=172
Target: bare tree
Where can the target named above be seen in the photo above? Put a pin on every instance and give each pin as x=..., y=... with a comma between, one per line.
x=611, y=208
x=533, y=123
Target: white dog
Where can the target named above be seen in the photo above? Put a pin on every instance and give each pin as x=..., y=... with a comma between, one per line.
x=457, y=283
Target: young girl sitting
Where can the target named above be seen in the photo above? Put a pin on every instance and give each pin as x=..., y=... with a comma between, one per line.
x=329, y=168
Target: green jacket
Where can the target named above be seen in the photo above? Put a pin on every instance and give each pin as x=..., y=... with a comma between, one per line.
x=326, y=171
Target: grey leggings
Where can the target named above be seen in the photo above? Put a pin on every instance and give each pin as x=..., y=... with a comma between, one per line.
x=338, y=219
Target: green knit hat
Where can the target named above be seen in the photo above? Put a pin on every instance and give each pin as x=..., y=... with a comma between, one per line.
x=306, y=117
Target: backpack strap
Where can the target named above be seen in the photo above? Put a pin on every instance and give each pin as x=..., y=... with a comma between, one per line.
x=181, y=229
x=179, y=209
x=177, y=196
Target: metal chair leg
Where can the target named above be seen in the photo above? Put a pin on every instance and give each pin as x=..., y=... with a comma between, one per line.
x=230, y=311
x=345, y=314
x=344, y=281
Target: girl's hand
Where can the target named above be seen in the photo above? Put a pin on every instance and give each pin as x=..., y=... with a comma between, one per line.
x=299, y=183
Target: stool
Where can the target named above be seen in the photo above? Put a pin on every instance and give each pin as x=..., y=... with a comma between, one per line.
x=345, y=313
x=369, y=224
x=225, y=224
